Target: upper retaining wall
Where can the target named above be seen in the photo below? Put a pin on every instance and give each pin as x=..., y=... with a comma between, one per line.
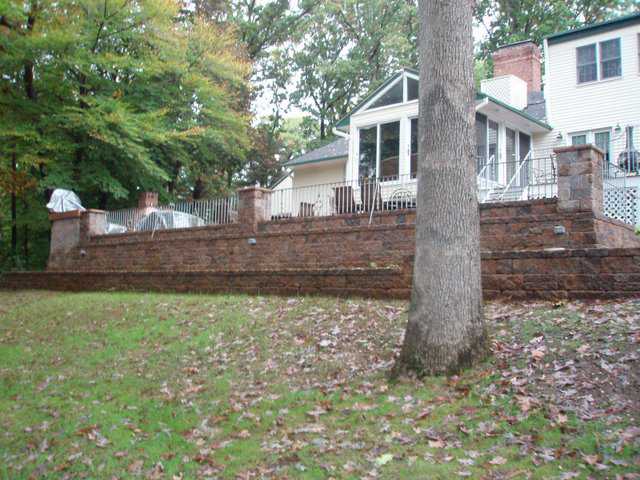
x=334, y=242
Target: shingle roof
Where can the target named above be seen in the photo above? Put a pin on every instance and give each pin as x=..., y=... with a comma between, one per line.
x=536, y=106
x=331, y=151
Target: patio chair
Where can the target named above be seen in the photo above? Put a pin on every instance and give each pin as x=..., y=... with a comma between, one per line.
x=343, y=201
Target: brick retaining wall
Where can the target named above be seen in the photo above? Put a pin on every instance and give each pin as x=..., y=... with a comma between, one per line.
x=333, y=242
x=597, y=273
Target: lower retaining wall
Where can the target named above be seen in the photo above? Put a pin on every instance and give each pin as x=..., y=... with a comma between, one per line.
x=597, y=273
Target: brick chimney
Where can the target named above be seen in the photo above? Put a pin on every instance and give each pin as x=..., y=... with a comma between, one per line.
x=147, y=200
x=521, y=59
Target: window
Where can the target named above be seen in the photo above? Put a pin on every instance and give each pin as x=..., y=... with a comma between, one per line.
x=414, y=148
x=578, y=139
x=412, y=89
x=391, y=96
x=380, y=151
x=603, y=141
x=390, y=150
x=587, y=64
x=368, y=152
x=610, y=64
x=599, y=61
x=481, y=142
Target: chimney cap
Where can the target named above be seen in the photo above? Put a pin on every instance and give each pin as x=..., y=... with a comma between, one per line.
x=515, y=44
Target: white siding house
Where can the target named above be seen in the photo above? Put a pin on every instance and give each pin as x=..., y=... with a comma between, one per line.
x=591, y=94
x=595, y=101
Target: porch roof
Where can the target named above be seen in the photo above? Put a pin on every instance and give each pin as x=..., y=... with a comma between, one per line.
x=332, y=151
x=495, y=108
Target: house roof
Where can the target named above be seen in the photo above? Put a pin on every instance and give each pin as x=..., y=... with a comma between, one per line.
x=344, y=121
x=534, y=111
x=588, y=30
x=536, y=106
x=281, y=179
x=331, y=151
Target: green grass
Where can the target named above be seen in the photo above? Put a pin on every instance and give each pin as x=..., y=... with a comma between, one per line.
x=193, y=386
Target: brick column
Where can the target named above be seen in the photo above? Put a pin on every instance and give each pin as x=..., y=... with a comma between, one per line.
x=580, y=179
x=65, y=234
x=147, y=202
x=253, y=206
x=94, y=222
x=69, y=230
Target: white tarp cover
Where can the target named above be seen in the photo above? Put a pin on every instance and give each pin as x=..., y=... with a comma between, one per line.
x=115, y=228
x=164, y=219
x=64, y=201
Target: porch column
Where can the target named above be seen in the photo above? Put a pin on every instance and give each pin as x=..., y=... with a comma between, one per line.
x=253, y=206
x=580, y=179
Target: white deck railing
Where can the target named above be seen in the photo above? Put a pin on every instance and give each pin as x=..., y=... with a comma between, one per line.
x=357, y=196
x=196, y=213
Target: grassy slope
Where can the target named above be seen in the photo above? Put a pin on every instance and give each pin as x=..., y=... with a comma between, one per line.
x=185, y=386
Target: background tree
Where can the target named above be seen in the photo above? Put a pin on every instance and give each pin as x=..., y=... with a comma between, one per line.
x=107, y=97
x=508, y=21
x=446, y=331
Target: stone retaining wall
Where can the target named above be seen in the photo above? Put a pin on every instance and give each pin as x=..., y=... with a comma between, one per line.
x=597, y=273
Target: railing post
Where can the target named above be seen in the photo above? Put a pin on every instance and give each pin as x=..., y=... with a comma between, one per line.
x=253, y=206
x=580, y=179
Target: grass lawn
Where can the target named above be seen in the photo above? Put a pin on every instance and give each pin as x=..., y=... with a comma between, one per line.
x=122, y=385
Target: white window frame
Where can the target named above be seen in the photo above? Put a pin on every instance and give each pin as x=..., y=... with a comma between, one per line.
x=579, y=134
x=378, y=124
x=619, y=39
x=599, y=61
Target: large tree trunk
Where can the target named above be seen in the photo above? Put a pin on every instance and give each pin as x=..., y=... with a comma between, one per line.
x=446, y=330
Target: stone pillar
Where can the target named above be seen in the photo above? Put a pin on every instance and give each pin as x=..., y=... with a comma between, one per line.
x=94, y=222
x=69, y=230
x=253, y=206
x=580, y=179
x=65, y=234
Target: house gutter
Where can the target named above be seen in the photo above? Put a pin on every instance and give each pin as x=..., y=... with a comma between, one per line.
x=338, y=133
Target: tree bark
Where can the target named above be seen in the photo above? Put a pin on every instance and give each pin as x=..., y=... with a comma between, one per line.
x=446, y=331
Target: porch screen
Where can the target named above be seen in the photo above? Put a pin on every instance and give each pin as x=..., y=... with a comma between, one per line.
x=493, y=141
x=367, y=160
x=390, y=150
x=414, y=148
x=481, y=142
x=512, y=161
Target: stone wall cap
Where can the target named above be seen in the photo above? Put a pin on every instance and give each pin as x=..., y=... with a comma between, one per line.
x=53, y=216
x=94, y=210
x=248, y=189
x=577, y=148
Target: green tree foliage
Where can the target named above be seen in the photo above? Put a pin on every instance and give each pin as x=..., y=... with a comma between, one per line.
x=508, y=21
x=345, y=48
x=109, y=97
